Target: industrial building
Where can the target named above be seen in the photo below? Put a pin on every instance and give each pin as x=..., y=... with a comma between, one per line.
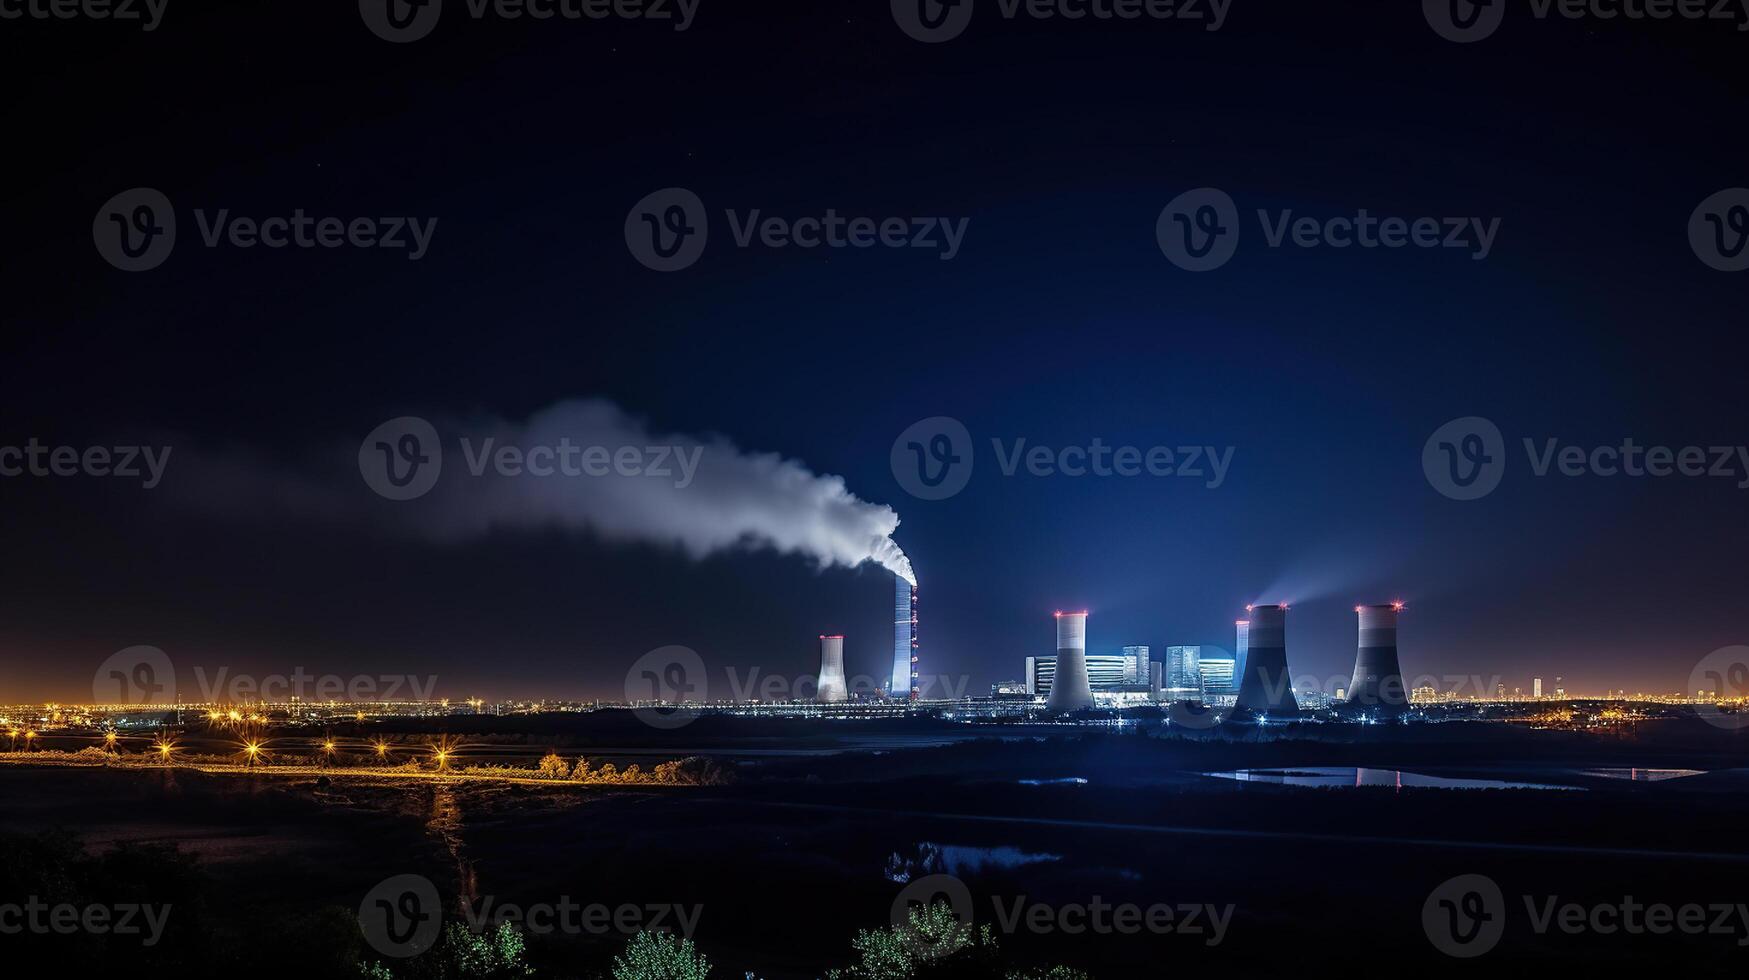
x=1105, y=673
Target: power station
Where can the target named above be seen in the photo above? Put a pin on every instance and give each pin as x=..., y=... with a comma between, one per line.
x=1266, y=688
x=1377, y=686
x=832, y=688
x=1070, y=689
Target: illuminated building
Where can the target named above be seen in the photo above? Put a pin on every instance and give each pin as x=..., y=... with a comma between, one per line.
x=1136, y=669
x=1106, y=673
x=1183, y=674
x=1219, y=677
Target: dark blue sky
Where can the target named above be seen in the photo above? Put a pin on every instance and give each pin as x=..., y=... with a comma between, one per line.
x=1060, y=321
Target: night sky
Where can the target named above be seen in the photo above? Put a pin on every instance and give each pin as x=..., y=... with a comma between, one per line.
x=1059, y=321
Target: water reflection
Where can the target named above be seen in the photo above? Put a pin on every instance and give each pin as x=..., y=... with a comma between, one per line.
x=929, y=858
x=1339, y=776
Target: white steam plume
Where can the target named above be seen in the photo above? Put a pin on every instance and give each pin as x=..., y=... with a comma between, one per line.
x=708, y=496
x=716, y=497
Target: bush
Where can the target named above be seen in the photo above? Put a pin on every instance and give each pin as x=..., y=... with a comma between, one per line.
x=553, y=767
x=660, y=956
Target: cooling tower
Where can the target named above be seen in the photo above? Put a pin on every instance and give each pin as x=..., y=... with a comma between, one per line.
x=1377, y=687
x=1070, y=690
x=1266, y=689
x=832, y=689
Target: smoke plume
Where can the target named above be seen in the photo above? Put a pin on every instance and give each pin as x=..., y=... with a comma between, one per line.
x=714, y=497
x=607, y=473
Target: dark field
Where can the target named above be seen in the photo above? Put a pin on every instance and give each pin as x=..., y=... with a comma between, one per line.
x=785, y=865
